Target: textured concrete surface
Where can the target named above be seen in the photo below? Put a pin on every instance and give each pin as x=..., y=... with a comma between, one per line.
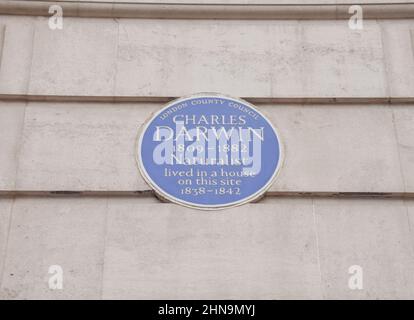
x=410, y=211
x=375, y=235
x=146, y=57
x=138, y=248
x=342, y=148
x=2, y=32
x=5, y=215
x=288, y=59
x=78, y=60
x=17, y=55
x=337, y=148
x=11, y=124
x=405, y=132
x=337, y=61
x=167, y=252
x=45, y=232
x=81, y=147
x=398, y=53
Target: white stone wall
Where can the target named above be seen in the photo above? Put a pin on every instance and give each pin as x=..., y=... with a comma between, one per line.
x=71, y=104
x=170, y=58
x=75, y=146
x=138, y=248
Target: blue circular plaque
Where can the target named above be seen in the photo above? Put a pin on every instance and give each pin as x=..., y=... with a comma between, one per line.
x=209, y=151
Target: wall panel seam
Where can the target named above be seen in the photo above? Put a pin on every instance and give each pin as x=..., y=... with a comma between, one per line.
x=165, y=99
